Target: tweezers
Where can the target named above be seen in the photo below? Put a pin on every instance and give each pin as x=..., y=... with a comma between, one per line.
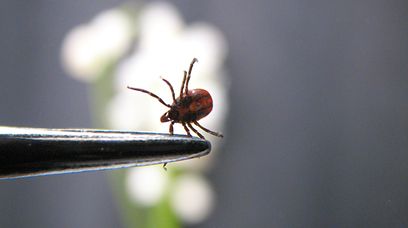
x=26, y=152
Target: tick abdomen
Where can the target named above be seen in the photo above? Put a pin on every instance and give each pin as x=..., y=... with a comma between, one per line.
x=191, y=107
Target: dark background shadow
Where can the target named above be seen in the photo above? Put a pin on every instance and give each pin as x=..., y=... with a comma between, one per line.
x=317, y=134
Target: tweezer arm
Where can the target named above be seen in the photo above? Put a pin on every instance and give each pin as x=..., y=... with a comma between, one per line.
x=28, y=152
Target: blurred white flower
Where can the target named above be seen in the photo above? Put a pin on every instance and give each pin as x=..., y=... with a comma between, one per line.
x=192, y=198
x=159, y=22
x=165, y=47
x=88, y=48
x=133, y=112
x=146, y=185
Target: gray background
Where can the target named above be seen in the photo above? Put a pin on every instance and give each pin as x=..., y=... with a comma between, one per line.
x=318, y=130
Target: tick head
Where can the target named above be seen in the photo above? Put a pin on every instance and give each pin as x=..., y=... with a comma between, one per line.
x=171, y=115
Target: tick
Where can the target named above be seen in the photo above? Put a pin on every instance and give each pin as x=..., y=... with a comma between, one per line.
x=188, y=108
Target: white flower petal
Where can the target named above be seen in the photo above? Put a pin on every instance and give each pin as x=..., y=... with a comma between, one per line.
x=114, y=32
x=159, y=21
x=126, y=111
x=207, y=43
x=79, y=54
x=88, y=48
x=192, y=198
x=135, y=71
x=146, y=185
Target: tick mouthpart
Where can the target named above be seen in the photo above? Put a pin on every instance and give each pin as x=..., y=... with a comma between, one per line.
x=165, y=117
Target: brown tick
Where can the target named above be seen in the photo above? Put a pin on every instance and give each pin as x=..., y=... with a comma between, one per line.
x=188, y=108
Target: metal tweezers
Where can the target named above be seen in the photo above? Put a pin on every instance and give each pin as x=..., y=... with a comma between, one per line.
x=26, y=152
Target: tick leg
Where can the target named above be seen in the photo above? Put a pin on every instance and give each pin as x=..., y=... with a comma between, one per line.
x=195, y=131
x=171, y=129
x=186, y=128
x=182, y=84
x=207, y=130
x=171, y=89
x=189, y=73
x=151, y=94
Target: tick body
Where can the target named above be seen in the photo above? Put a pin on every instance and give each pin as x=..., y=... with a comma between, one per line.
x=188, y=108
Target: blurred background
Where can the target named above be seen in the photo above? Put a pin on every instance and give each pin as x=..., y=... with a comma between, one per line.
x=310, y=95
